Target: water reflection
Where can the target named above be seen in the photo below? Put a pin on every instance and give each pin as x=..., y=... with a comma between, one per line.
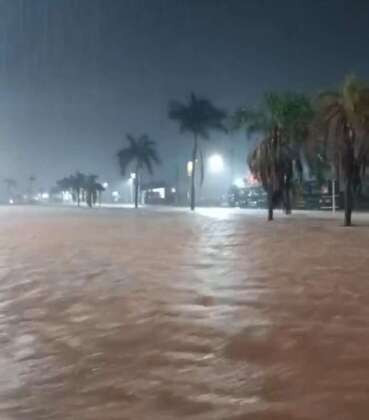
x=156, y=315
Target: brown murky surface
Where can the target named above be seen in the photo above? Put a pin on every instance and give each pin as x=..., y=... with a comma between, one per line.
x=112, y=314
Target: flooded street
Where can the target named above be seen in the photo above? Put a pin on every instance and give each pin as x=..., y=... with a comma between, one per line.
x=156, y=314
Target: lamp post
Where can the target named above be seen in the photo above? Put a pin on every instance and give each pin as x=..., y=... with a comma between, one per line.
x=132, y=179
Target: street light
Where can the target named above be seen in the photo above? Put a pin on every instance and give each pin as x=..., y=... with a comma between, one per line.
x=216, y=163
x=131, y=181
x=189, y=167
x=116, y=196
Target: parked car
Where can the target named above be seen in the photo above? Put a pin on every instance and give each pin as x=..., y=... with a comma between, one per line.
x=248, y=197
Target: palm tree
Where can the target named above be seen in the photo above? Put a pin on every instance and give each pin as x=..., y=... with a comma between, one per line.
x=271, y=163
x=283, y=121
x=64, y=184
x=10, y=186
x=92, y=188
x=343, y=117
x=140, y=154
x=77, y=182
x=99, y=189
x=198, y=117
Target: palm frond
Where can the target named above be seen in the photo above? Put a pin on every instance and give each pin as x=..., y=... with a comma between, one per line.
x=199, y=116
x=140, y=152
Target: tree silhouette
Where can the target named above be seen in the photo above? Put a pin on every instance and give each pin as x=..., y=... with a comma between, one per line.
x=140, y=154
x=77, y=182
x=198, y=117
x=343, y=122
x=283, y=120
x=93, y=189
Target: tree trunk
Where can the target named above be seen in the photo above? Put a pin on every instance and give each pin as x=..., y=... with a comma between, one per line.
x=349, y=170
x=89, y=199
x=270, y=203
x=348, y=201
x=78, y=197
x=287, y=199
x=136, y=181
x=193, y=190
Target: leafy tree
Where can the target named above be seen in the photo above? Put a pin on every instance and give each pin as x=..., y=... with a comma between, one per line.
x=93, y=189
x=83, y=187
x=272, y=164
x=140, y=154
x=99, y=188
x=64, y=184
x=343, y=117
x=283, y=121
x=78, y=182
x=198, y=117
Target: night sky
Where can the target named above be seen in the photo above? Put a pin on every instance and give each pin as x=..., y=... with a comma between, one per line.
x=76, y=75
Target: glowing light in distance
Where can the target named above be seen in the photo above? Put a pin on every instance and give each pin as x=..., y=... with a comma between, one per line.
x=239, y=182
x=216, y=163
x=189, y=167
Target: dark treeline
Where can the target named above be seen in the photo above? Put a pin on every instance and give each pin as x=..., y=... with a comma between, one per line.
x=329, y=133
x=83, y=188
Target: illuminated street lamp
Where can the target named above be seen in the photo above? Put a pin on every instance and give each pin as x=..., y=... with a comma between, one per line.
x=131, y=181
x=216, y=163
x=189, y=167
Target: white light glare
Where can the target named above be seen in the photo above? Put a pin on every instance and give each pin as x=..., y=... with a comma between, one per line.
x=216, y=163
x=239, y=182
x=189, y=167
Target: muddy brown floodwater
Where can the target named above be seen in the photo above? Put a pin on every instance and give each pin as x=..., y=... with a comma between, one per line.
x=156, y=314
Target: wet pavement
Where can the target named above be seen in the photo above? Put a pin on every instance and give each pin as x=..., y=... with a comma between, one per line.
x=116, y=314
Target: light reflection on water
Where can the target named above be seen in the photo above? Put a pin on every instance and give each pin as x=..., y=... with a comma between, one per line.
x=176, y=315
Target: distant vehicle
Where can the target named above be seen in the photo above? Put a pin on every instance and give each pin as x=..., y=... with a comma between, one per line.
x=233, y=196
x=158, y=193
x=254, y=197
x=311, y=197
x=326, y=202
x=248, y=197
